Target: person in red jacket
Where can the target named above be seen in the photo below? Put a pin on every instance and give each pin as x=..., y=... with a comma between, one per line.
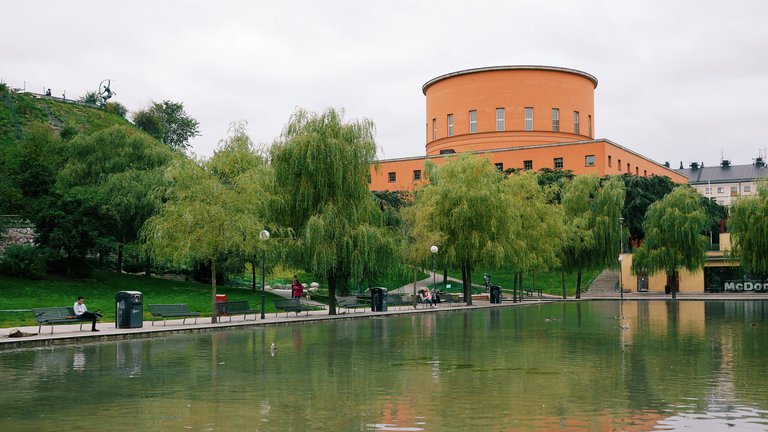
x=296, y=288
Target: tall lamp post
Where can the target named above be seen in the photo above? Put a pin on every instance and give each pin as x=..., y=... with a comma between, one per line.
x=621, y=249
x=434, y=250
x=263, y=235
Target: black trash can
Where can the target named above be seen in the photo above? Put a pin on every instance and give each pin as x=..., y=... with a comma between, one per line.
x=379, y=299
x=129, y=309
x=495, y=294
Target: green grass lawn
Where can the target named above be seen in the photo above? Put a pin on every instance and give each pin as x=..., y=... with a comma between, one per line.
x=548, y=282
x=100, y=291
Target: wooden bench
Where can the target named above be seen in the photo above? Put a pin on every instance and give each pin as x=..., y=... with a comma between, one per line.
x=350, y=303
x=58, y=315
x=446, y=297
x=291, y=305
x=172, y=311
x=236, y=308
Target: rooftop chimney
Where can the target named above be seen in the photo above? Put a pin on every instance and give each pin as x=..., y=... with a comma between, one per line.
x=694, y=166
x=759, y=162
x=725, y=163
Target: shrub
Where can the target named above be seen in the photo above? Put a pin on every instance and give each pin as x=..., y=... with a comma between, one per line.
x=68, y=132
x=116, y=108
x=23, y=261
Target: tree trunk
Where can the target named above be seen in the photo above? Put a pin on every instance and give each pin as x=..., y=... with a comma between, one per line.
x=445, y=275
x=331, y=294
x=562, y=278
x=213, y=291
x=514, y=287
x=466, y=273
x=253, y=275
x=578, y=284
x=673, y=281
x=120, y=258
x=148, y=266
x=533, y=282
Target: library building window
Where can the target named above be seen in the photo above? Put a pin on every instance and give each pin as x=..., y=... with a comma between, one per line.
x=499, y=166
x=589, y=160
x=417, y=174
x=450, y=125
x=529, y=118
x=473, y=121
x=558, y=163
x=392, y=177
x=528, y=165
x=500, y=126
x=555, y=120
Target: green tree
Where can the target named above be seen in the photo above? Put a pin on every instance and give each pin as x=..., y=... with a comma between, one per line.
x=321, y=163
x=91, y=97
x=749, y=231
x=168, y=122
x=208, y=216
x=121, y=169
x=673, y=236
x=467, y=211
x=591, y=218
x=641, y=193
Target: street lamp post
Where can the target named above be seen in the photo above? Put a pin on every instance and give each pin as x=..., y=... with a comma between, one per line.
x=621, y=249
x=263, y=235
x=434, y=250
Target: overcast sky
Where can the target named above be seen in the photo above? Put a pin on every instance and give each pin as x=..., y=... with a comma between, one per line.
x=679, y=80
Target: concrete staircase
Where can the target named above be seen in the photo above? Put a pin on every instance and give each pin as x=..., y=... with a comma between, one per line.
x=605, y=285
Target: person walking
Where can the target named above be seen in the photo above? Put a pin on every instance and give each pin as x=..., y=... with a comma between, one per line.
x=297, y=289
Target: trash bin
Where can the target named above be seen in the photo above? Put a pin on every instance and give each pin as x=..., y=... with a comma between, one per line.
x=378, y=299
x=221, y=298
x=129, y=309
x=495, y=294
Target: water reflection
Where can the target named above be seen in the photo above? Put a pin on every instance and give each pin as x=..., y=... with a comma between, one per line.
x=678, y=365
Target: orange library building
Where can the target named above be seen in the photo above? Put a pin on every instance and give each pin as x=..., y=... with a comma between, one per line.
x=526, y=117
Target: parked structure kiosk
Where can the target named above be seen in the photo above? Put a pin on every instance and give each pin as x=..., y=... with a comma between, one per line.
x=129, y=309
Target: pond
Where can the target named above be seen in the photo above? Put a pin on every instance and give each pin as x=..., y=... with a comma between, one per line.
x=565, y=366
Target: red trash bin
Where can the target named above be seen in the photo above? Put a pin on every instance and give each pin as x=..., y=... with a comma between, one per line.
x=221, y=298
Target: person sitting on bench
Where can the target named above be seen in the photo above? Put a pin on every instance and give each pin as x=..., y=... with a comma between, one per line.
x=81, y=311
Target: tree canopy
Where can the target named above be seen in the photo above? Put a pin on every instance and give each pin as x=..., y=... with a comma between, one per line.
x=673, y=236
x=321, y=162
x=168, y=122
x=749, y=231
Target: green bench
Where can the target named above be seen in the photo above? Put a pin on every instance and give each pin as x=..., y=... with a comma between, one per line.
x=236, y=308
x=291, y=305
x=58, y=315
x=397, y=300
x=350, y=302
x=172, y=311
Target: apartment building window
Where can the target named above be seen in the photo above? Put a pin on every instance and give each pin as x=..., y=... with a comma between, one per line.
x=500, y=119
x=589, y=125
x=417, y=174
x=528, y=118
x=734, y=190
x=434, y=129
x=720, y=189
x=392, y=177
x=473, y=121
x=609, y=161
x=500, y=166
x=747, y=188
x=589, y=160
x=558, y=163
x=708, y=191
x=528, y=165
x=450, y=125
x=555, y=120
x=575, y=122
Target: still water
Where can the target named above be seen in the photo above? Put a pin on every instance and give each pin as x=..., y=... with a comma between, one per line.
x=684, y=365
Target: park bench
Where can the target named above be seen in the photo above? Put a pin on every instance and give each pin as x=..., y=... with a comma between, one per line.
x=291, y=305
x=58, y=315
x=172, y=311
x=350, y=303
x=446, y=297
x=398, y=300
x=236, y=308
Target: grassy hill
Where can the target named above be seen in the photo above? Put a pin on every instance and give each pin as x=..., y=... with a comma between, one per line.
x=19, y=111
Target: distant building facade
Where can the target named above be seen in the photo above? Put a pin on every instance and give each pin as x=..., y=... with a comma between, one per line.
x=725, y=182
x=524, y=117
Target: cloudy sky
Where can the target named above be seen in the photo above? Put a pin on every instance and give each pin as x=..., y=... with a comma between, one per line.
x=679, y=80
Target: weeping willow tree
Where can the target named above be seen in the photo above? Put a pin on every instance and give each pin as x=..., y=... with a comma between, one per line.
x=749, y=231
x=466, y=210
x=321, y=164
x=673, y=236
x=213, y=208
x=592, y=231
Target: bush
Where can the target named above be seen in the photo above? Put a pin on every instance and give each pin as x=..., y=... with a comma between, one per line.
x=68, y=132
x=23, y=261
x=116, y=108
